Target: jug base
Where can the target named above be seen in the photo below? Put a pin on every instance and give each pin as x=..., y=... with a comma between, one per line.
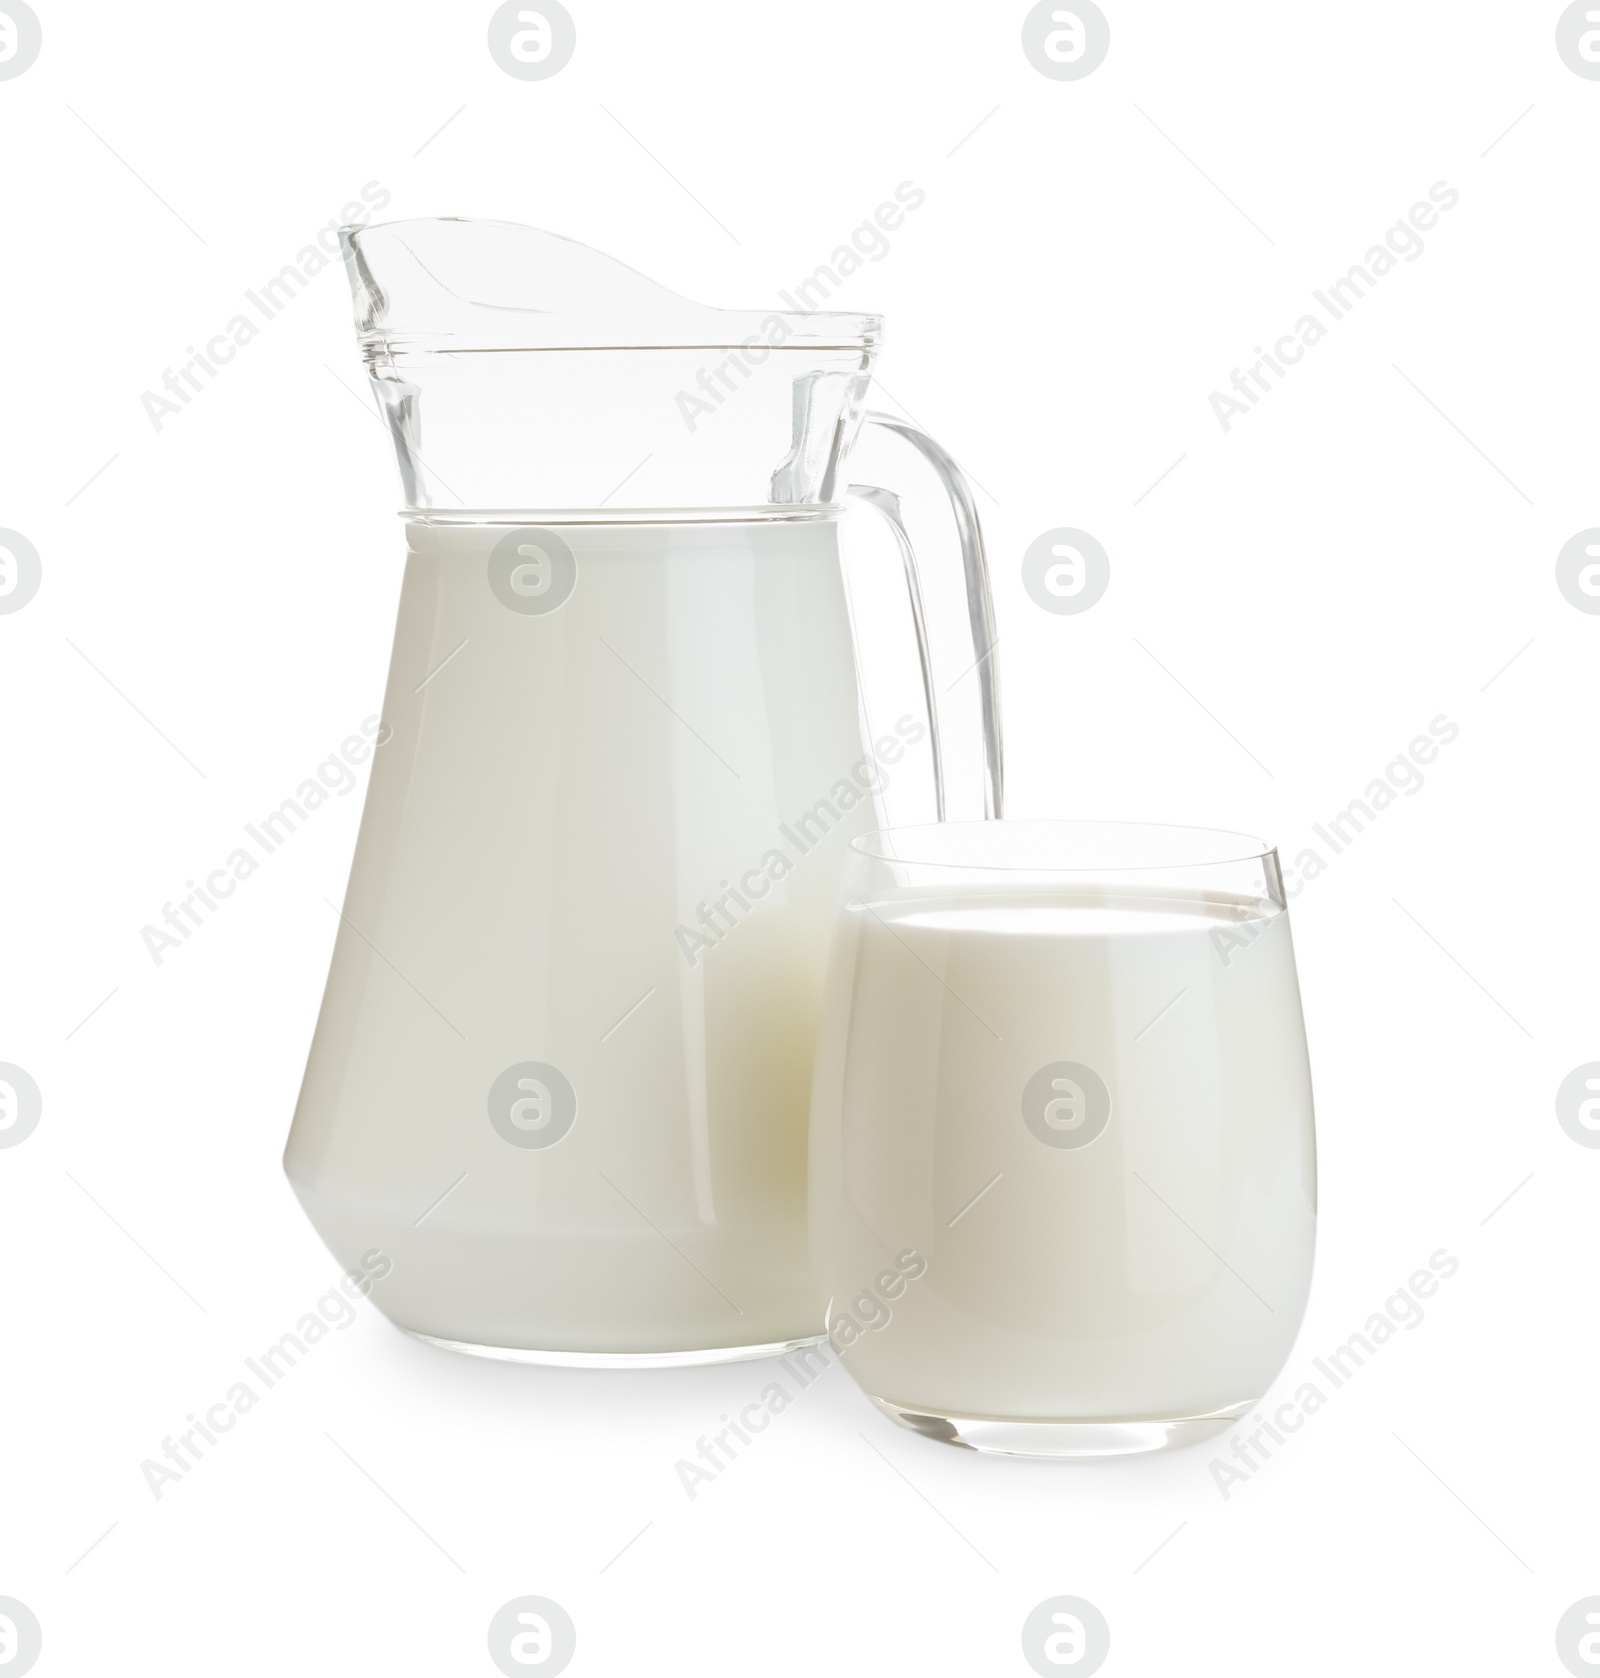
x=1063, y=1440
x=621, y=1360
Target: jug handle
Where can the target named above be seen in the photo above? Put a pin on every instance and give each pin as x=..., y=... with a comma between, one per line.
x=980, y=605
x=887, y=504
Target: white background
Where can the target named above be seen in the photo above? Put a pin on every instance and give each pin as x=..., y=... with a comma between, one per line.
x=1340, y=567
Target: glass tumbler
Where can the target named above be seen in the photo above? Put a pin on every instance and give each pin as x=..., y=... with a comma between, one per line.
x=1063, y=1169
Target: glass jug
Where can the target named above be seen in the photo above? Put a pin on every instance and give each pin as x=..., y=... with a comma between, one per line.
x=562, y=1070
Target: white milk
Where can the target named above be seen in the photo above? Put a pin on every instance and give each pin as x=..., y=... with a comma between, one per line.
x=1157, y=1270
x=605, y=838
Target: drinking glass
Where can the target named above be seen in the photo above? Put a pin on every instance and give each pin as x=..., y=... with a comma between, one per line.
x=1063, y=1170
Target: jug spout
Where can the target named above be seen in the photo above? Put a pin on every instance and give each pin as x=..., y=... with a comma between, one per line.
x=519, y=370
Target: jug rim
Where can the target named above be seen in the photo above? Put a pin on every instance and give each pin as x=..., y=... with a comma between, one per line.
x=481, y=285
x=772, y=512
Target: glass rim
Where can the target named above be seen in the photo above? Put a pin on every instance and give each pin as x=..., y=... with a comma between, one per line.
x=919, y=845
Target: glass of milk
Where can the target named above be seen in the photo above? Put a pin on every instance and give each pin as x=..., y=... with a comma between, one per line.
x=1063, y=1170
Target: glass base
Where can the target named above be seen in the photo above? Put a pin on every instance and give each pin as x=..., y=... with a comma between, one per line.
x=1008, y=1437
x=620, y=1360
